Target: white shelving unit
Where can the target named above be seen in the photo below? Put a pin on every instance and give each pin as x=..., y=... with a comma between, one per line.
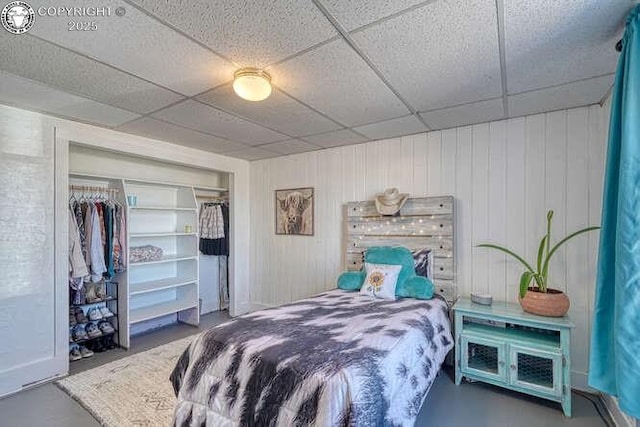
x=165, y=216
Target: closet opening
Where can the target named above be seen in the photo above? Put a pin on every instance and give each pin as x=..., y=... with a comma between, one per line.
x=149, y=244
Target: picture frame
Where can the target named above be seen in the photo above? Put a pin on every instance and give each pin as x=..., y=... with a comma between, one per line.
x=294, y=211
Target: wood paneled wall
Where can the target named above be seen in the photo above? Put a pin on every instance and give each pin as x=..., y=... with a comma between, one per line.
x=504, y=175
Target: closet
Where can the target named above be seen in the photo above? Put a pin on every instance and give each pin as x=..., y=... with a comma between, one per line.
x=167, y=278
x=213, y=207
x=98, y=263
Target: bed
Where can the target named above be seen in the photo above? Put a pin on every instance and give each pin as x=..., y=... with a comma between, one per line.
x=336, y=359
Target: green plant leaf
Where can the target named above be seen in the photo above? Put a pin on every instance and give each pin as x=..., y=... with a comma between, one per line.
x=545, y=266
x=541, y=253
x=525, y=279
x=508, y=252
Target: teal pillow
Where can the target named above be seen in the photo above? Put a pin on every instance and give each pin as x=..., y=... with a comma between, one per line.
x=351, y=280
x=418, y=287
x=393, y=256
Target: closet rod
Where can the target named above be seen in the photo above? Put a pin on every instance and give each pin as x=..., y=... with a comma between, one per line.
x=90, y=188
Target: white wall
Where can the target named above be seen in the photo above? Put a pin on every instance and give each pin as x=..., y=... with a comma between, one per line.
x=504, y=176
x=94, y=161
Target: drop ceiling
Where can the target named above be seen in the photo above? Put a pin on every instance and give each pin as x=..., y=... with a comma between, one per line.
x=344, y=72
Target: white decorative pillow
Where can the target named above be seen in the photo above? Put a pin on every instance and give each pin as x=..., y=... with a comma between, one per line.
x=381, y=280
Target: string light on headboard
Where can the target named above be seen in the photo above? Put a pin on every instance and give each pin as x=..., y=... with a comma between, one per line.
x=425, y=222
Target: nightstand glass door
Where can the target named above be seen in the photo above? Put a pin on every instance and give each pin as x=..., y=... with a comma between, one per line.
x=483, y=357
x=535, y=370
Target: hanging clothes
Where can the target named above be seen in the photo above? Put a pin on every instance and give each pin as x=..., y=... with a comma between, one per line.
x=88, y=223
x=122, y=238
x=214, y=229
x=98, y=267
x=108, y=239
x=615, y=339
x=77, y=265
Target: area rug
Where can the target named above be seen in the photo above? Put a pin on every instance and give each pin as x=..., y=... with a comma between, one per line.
x=133, y=391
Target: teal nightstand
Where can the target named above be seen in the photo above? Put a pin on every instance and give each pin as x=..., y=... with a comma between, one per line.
x=502, y=345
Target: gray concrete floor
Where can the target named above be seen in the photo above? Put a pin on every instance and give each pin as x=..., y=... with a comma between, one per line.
x=447, y=405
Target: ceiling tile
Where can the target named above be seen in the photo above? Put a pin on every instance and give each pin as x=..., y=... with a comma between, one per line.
x=164, y=131
x=252, y=153
x=335, y=80
x=477, y=112
x=24, y=93
x=584, y=92
x=356, y=13
x=250, y=33
x=549, y=42
x=336, y=138
x=390, y=128
x=439, y=55
x=200, y=117
x=38, y=60
x=291, y=146
x=278, y=112
x=131, y=43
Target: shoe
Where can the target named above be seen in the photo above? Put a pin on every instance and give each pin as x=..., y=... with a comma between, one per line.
x=79, y=333
x=106, y=327
x=72, y=317
x=106, y=313
x=85, y=352
x=101, y=290
x=107, y=342
x=80, y=316
x=94, y=314
x=98, y=345
x=74, y=354
x=93, y=331
x=90, y=295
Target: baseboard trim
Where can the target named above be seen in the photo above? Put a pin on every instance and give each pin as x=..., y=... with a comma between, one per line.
x=619, y=418
x=256, y=306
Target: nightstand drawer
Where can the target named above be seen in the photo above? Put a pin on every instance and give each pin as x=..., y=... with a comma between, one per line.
x=483, y=357
x=535, y=370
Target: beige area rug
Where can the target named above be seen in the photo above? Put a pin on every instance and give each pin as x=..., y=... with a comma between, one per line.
x=133, y=391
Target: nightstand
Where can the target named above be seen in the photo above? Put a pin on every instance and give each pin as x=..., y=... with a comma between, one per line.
x=502, y=345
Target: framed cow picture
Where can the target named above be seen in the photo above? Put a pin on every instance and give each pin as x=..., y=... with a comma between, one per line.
x=294, y=211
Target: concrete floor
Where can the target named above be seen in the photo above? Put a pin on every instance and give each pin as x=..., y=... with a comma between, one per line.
x=470, y=404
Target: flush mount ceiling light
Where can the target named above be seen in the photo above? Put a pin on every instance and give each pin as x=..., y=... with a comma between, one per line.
x=252, y=84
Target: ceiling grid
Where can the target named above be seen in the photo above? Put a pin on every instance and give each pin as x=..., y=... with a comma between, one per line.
x=343, y=72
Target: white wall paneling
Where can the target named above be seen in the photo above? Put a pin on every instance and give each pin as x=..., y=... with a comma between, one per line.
x=32, y=303
x=504, y=175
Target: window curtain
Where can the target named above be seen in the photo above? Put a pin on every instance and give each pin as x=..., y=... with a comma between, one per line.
x=615, y=341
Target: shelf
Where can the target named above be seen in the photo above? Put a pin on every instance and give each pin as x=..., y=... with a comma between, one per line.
x=91, y=339
x=157, y=285
x=166, y=258
x=145, y=235
x=94, y=302
x=157, y=310
x=162, y=208
x=516, y=335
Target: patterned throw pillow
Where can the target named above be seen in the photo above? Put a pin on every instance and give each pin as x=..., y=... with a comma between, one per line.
x=423, y=262
x=381, y=280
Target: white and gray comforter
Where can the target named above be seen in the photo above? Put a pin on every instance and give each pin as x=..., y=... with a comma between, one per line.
x=336, y=359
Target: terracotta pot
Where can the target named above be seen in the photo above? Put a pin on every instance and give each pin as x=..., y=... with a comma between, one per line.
x=553, y=303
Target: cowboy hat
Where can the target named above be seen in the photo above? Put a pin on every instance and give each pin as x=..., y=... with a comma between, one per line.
x=390, y=202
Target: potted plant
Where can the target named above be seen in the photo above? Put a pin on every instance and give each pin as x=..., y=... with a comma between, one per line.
x=537, y=297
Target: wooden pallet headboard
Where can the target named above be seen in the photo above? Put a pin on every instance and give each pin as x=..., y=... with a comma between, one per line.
x=424, y=222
